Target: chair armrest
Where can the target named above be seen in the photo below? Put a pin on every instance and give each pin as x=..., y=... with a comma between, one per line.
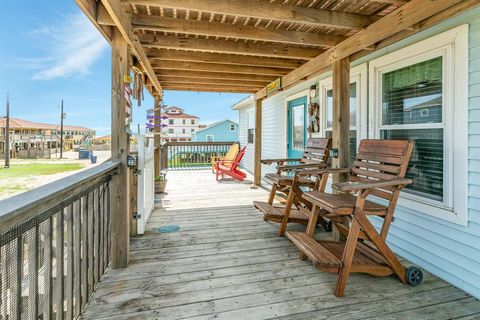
x=302, y=166
x=322, y=171
x=352, y=186
x=270, y=161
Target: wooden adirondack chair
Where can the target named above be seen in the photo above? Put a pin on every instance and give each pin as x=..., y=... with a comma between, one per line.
x=228, y=158
x=379, y=170
x=221, y=167
x=297, y=209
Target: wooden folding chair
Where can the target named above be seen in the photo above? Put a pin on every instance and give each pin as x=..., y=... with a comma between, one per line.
x=297, y=209
x=230, y=168
x=228, y=158
x=379, y=170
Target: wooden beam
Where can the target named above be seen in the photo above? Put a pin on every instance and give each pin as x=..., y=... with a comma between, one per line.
x=122, y=22
x=119, y=202
x=228, y=47
x=402, y=18
x=240, y=31
x=257, y=169
x=157, y=138
x=176, y=81
x=235, y=59
x=215, y=75
x=209, y=88
x=216, y=67
x=268, y=11
x=90, y=8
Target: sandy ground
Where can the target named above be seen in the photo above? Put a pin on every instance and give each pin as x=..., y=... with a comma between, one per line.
x=32, y=182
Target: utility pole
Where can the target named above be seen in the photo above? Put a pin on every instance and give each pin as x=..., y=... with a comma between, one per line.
x=7, y=135
x=61, y=130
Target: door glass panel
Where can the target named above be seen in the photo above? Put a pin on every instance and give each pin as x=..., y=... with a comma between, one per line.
x=298, y=126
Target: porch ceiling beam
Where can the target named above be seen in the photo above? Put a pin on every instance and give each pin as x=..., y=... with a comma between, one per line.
x=122, y=22
x=166, y=81
x=217, y=29
x=92, y=8
x=397, y=21
x=215, y=75
x=228, y=47
x=207, y=57
x=216, y=67
x=268, y=11
x=199, y=88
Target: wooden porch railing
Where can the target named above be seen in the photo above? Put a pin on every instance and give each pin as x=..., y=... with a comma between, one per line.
x=191, y=155
x=55, y=244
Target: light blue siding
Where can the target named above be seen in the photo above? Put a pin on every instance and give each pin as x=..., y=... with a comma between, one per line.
x=220, y=131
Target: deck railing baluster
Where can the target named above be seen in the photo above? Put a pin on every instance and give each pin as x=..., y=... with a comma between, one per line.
x=59, y=258
x=77, y=247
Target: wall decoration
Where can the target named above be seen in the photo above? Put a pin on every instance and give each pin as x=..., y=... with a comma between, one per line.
x=313, y=118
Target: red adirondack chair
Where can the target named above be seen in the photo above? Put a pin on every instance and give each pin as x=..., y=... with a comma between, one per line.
x=231, y=168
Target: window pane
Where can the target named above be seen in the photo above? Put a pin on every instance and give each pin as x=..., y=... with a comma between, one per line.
x=426, y=164
x=298, y=125
x=353, y=106
x=413, y=94
x=353, y=144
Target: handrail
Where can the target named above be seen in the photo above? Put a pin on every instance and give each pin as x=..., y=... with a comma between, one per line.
x=198, y=143
x=26, y=205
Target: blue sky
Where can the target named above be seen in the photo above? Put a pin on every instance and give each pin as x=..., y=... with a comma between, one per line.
x=51, y=51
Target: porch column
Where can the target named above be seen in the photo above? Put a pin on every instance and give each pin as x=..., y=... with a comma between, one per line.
x=120, y=194
x=157, y=129
x=257, y=171
x=341, y=120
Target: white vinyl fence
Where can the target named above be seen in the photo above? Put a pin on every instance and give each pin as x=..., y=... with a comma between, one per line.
x=146, y=188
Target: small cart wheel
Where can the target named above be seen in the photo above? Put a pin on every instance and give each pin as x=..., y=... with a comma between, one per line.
x=328, y=226
x=414, y=275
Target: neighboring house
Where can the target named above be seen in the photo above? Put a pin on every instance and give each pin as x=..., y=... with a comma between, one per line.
x=425, y=88
x=27, y=137
x=180, y=125
x=221, y=131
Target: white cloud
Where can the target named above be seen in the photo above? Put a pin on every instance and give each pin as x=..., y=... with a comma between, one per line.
x=71, y=47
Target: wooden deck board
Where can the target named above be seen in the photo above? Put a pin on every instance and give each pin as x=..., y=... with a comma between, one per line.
x=225, y=262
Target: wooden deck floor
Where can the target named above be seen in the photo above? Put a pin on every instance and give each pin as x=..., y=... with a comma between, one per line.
x=225, y=262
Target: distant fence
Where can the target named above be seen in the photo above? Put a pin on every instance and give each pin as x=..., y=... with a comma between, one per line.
x=191, y=155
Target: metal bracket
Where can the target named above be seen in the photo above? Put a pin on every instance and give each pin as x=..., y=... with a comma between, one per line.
x=137, y=172
x=137, y=216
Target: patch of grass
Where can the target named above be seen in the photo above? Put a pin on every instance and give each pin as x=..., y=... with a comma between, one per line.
x=35, y=169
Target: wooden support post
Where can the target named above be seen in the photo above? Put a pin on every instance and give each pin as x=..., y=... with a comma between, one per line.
x=341, y=119
x=258, y=144
x=120, y=198
x=157, y=129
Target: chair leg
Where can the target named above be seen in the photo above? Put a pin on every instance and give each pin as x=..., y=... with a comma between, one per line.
x=286, y=212
x=273, y=192
x=310, y=231
x=347, y=258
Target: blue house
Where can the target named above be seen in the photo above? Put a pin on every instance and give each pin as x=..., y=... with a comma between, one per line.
x=221, y=131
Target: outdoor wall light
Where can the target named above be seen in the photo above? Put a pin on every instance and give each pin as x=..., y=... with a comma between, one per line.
x=131, y=161
x=334, y=152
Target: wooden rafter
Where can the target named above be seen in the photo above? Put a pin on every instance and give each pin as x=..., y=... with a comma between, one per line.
x=215, y=75
x=217, y=29
x=186, y=82
x=401, y=19
x=207, y=57
x=210, y=88
x=228, y=47
x=122, y=22
x=269, y=11
x=216, y=67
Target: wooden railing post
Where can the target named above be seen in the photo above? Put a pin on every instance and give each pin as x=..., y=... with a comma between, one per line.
x=257, y=172
x=341, y=119
x=120, y=206
x=157, y=139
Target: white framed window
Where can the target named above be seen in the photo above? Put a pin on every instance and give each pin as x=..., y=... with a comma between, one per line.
x=232, y=127
x=420, y=93
x=170, y=131
x=358, y=107
x=170, y=121
x=251, y=126
x=209, y=138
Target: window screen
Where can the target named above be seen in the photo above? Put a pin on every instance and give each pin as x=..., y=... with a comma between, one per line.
x=411, y=98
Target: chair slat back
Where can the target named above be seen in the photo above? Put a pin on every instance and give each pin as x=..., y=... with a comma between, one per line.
x=231, y=154
x=238, y=158
x=382, y=160
x=317, y=150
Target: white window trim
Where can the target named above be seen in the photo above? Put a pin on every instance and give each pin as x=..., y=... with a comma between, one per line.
x=250, y=125
x=453, y=46
x=210, y=135
x=232, y=127
x=358, y=74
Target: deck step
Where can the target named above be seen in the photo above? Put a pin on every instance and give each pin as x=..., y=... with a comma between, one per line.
x=314, y=250
x=275, y=213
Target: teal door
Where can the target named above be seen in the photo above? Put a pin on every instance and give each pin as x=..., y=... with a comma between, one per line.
x=297, y=127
